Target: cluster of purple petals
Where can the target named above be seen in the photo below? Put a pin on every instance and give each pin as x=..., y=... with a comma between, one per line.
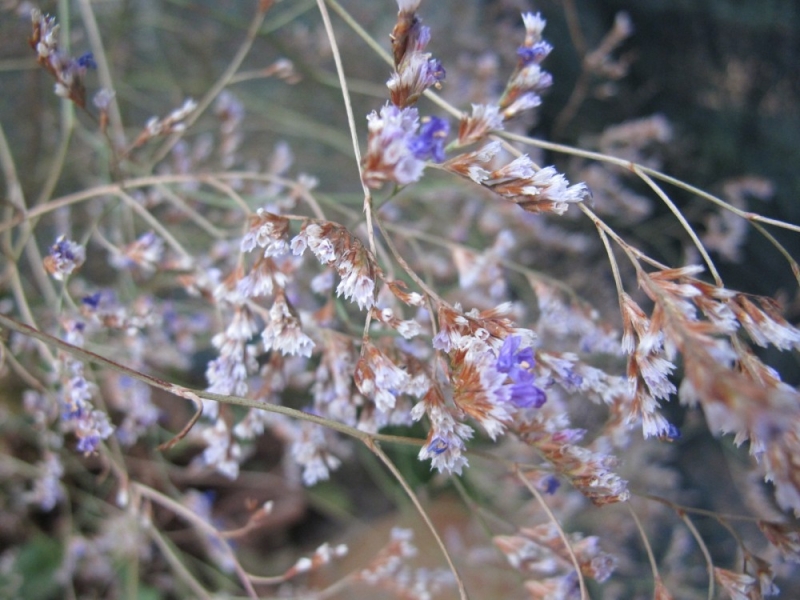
x=429, y=142
x=516, y=364
x=534, y=54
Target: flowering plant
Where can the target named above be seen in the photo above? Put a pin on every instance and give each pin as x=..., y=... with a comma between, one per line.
x=412, y=318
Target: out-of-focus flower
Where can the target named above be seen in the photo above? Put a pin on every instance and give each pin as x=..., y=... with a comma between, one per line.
x=64, y=258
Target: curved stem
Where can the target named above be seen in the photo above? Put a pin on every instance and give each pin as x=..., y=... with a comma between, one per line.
x=684, y=223
x=195, y=395
x=536, y=494
x=376, y=449
x=351, y=122
x=650, y=556
x=218, y=86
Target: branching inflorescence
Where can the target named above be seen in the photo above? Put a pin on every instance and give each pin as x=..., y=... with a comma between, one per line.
x=420, y=323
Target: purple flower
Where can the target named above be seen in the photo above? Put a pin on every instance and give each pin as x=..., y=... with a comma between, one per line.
x=86, y=61
x=429, y=143
x=672, y=433
x=93, y=301
x=65, y=256
x=534, y=54
x=88, y=444
x=550, y=484
x=438, y=445
x=524, y=394
x=517, y=365
x=511, y=356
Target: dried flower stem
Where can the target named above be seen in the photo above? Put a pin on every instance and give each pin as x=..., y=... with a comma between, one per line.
x=374, y=447
x=216, y=89
x=536, y=494
x=646, y=542
x=351, y=122
x=703, y=548
x=176, y=564
x=192, y=518
x=404, y=265
x=103, y=70
x=148, y=218
x=682, y=220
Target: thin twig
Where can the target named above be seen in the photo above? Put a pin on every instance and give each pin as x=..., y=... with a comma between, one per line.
x=376, y=449
x=684, y=223
x=216, y=89
x=561, y=533
x=650, y=556
x=351, y=121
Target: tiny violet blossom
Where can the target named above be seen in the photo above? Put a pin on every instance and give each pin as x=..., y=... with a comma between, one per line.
x=429, y=143
x=64, y=258
x=528, y=79
x=517, y=364
x=389, y=156
x=445, y=444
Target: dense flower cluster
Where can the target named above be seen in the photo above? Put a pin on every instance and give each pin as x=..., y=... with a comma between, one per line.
x=67, y=71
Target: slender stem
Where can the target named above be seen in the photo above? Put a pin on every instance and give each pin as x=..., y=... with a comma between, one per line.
x=650, y=556
x=376, y=449
x=216, y=89
x=404, y=265
x=200, y=523
x=684, y=223
x=703, y=548
x=148, y=217
x=103, y=69
x=614, y=266
x=195, y=395
x=351, y=122
x=180, y=569
x=561, y=533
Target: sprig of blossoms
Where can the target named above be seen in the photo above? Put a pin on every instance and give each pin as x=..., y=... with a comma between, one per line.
x=396, y=151
x=78, y=414
x=534, y=189
x=415, y=70
x=539, y=551
x=335, y=246
x=528, y=79
x=174, y=122
x=445, y=443
x=491, y=386
x=67, y=71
